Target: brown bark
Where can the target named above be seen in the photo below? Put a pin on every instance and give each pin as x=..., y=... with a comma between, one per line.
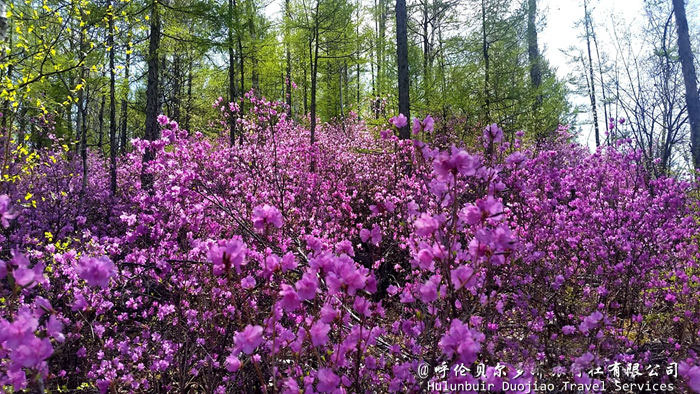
x=152, y=97
x=402, y=63
x=689, y=78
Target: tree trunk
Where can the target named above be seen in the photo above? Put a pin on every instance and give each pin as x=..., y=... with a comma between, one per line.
x=122, y=137
x=380, y=46
x=288, y=71
x=314, y=71
x=254, y=75
x=112, y=108
x=306, y=95
x=176, y=87
x=357, y=66
x=426, y=45
x=82, y=109
x=691, y=89
x=189, y=97
x=3, y=20
x=402, y=63
x=602, y=86
x=594, y=108
x=152, y=97
x=533, y=54
x=340, y=86
x=81, y=125
x=101, y=123
x=232, y=94
x=241, y=60
x=485, y=49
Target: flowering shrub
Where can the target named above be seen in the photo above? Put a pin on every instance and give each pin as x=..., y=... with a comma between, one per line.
x=249, y=268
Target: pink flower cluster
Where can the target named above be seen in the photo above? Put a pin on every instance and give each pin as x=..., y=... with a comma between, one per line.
x=346, y=265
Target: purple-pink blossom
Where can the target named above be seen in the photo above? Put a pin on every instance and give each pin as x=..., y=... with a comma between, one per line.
x=264, y=215
x=6, y=213
x=227, y=254
x=96, y=271
x=461, y=342
x=249, y=339
x=399, y=121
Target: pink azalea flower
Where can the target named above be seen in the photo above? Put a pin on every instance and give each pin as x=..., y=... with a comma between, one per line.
x=461, y=341
x=428, y=292
x=457, y=161
x=163, y=120
x=33, y=352
x=416, y=126
x=493, y=133
x=692, y=375
x=463, y=276
x=376, y=234
x=232, y=363
x=327, y=380
x=289, y=298
x=6, y=214
x=399, y=121
x=319, y=333
x=364, y=235
x=96, y=270
x=249, y=339
x=425, y=225
x=226, y=254
x=428, y=124
x=307, y=286
x=266, y=214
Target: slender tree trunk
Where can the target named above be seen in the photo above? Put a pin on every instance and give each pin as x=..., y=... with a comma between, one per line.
x=689, y=77
x=306, y=95
x=485, y=49
x=83, y=140
x=533, y=51
x=152, y=97
x=357, y=66
x=402, y=62
x=342, y=110
x=314, y=72
x=3, y=20
x=443, y=82
x=22, y=125
x=288, y=71
x=81, y=121
x=381, y=46
x=82, y=110
x=176, y=87
x=101, y=123
x=122, y=137
x=241, y=61
x=426, y=46
x=374, y=48
x=112, y=107
x=254, y=74
x=594, y=106
x=189, y=97
x=602, y=87
x=231, y=75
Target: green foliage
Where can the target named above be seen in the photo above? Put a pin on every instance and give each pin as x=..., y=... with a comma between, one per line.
x=55, y=61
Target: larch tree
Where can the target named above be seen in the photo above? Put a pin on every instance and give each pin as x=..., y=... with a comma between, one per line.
x=690, y=78
x=402, y=62
x=152, y=96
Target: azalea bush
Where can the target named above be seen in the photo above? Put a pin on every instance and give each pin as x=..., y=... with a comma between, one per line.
x=349, y=265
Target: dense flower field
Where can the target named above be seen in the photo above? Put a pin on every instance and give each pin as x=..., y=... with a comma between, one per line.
x=359, y=264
